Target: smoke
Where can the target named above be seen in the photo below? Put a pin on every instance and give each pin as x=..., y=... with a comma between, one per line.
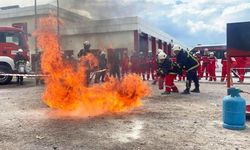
x=104, y=9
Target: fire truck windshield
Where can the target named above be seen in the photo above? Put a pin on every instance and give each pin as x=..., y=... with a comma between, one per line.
x=11, y=37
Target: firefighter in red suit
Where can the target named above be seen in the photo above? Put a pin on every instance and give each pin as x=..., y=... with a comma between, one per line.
x=150, y=70
x=173, y=59
x=155, y=67
x=199, y=70
x=241, y=64
x=224, y=67
x=168, y=70
x=125, y=64
x=212, y=66
x=142, y=65
x=205, y=62
x=134, y=63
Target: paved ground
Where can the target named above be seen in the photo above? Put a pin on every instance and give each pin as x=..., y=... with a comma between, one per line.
x=163, y=122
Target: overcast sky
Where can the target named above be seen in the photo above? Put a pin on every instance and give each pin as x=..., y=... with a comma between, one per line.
x=190, y=21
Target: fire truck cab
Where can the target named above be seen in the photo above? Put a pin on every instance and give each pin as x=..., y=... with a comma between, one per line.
x=11, y=39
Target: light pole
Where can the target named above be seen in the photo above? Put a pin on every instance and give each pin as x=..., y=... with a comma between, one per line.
x=36, y=48
x=58, y=16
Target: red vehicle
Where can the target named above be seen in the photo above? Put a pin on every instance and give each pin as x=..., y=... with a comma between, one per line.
x=217, y=49
x=11, y=39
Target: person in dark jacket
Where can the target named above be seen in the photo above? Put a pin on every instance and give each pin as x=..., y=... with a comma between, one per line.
x=102, y=66
x=168, y=70
x=85, y=50
x=115, y=66
x=20, y=64
x=191, y=64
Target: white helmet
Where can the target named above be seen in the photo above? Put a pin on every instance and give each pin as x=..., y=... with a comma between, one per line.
x=211, y=53
x=176, y=48
x=86, y=43
x=198, y=53
x=20, y=50
x=159, y=51
x=162, y=55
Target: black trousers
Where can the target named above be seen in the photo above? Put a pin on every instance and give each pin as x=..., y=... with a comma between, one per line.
x=192, y=76
x=20, y=80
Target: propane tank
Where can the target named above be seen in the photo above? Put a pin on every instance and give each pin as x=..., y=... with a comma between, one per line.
x=234, y=110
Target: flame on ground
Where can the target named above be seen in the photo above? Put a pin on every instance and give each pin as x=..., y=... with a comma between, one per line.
x=66, y=88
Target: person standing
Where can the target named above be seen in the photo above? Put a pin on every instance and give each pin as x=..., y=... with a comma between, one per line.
x=20, y=63
x=102, y=66
x=205, y=62
x=84, y=52
x=185, y=59
x=212, y=66
x=125, y=63
x=198, y=57
x=115, y=66
x=142, y=65
x=241, y=64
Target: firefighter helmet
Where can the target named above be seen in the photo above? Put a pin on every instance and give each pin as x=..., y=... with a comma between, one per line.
x=86, y=43
x=176, y=48
x=159, y=51
x=162, y=55
x=20, y=50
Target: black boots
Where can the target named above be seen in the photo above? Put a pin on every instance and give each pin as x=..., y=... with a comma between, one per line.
x=196, y=90
x=165, y=93
x=186, y=91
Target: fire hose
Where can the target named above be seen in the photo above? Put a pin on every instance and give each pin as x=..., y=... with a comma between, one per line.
x=43, y=75
x=92, y=74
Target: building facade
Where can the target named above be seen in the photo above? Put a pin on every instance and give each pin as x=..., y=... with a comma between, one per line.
x=129, y=34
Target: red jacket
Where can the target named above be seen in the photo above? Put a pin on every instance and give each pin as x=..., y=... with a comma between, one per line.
x=205, y=60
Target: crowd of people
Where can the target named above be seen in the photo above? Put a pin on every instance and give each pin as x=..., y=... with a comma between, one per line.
x=166, y=69
x=208, y=64
x=182, y=66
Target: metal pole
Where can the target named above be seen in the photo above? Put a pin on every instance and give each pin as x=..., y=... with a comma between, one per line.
x=58, y=16
x=36, y=48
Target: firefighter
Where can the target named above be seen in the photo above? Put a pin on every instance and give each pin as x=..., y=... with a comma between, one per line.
x=205, y=62
x=155, y=66
x=198, y=57
x=84, y=52
x=134, y=65
x=100, y=76
x=184, y=59
x=115, y=66
x=150, y=70
x=20, y=63
x=212, y=66
x=224, y=67
x=241, y=64
x=125, y=64
x=142, y=65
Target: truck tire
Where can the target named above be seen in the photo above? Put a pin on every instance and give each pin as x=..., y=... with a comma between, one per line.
x=5, y=79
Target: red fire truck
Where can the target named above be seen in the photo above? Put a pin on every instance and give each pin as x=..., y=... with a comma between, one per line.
x=11, y=39
x=217, y=49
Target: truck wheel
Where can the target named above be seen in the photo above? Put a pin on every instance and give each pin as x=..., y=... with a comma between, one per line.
x=5, y=79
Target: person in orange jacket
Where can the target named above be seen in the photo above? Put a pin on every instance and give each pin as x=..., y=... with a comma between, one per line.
x=205, y=62
x=241, y=64
x=212, y=66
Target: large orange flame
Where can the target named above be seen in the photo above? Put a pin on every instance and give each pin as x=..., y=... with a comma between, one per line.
x=66, y=88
